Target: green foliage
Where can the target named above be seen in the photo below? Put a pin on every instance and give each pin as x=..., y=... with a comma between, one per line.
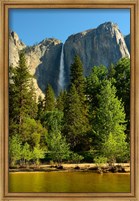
x=40, y=108
x=49, y=101
x=61, y=99
x=58, y=147
x=90, y=118
x=76, y=76
x=122, y=77
x=52, y=120
x=32, y=101
x=34, y=133
x=76, y=123
x=100, y=160
x=110, y=115
x=38, y=153
x=93, y=85
x=22, y=101
x=14, y=149
x=111, y=71
x=115, y=146
x=26, y=153
x=76, y=158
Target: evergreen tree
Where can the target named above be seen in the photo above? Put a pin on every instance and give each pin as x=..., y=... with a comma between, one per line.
x=22, y=82
x=21, y=96
x=58, y=147
x=93, y=85
x=14, y=149
x=53, y=120
x=26, y=153
x=77, y=77
x=111, y=71
x=38, y=153
x=122, y=84
x=34, y=133
x=33, y=108
x=40, y=108
x=13, y=126
x=49, y=101
x=115, y=147
x=61, y=101
x=109, y=117
x=76, y=123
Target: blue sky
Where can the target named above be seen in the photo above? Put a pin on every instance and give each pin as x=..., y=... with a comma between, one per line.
x=34, y=25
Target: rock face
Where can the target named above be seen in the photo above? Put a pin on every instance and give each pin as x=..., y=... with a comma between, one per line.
x=103, y=45
x=127, y=41
x=44, y=61
x=15, y=45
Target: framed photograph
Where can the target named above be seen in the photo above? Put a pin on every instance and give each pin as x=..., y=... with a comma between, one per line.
x=69, y=100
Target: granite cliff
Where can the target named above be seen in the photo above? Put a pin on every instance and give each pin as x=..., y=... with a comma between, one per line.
x=103, y=45
x=15, y=45
x=43, y=60
x=127, y=41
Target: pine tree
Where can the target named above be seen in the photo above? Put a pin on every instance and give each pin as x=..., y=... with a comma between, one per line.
x=13, y=126
x=21, y=96
x=76, y=123
x=77, y=77
x=49, y=101
x=61, y=99
x=52, y=121
x=33, y=108
x=93, y=85
x=40, y=108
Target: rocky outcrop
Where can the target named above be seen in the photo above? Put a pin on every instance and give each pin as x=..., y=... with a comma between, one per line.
x=103, y=45
x=15, y=45
x=127, y=41
x=44, y=60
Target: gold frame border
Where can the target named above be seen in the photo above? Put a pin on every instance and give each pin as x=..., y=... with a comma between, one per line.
x=7, y=4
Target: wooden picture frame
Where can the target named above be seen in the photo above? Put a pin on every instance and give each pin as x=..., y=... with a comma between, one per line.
x=133, y=6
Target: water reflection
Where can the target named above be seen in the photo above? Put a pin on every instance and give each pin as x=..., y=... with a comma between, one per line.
x=68, y=182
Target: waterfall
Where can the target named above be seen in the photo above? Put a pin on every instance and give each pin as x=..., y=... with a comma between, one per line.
x=61, y=80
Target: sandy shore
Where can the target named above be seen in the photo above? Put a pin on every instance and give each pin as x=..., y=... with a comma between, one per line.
x=118, y=167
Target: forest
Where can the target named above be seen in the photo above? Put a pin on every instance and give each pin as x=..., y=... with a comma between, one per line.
x=87, y=122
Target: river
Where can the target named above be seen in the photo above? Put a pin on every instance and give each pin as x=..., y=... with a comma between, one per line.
x=68, y=182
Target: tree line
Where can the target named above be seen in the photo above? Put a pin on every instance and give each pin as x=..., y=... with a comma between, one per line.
x=87, y=122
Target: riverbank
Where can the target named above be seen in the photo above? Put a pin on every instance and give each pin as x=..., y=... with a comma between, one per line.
x=86, y=167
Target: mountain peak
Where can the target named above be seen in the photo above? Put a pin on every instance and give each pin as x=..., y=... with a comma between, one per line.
x=107, y=25
x=102, y=45
x=16, y=40
x=52, y=41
